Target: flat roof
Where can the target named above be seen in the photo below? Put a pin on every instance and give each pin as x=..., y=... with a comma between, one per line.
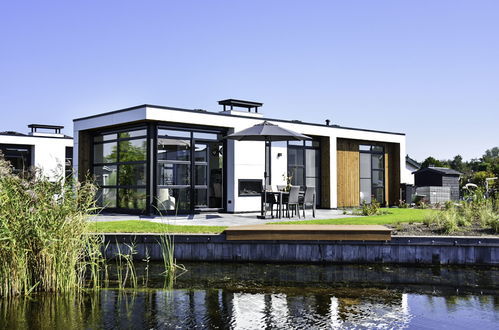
x=17, y=134
x=236, y=116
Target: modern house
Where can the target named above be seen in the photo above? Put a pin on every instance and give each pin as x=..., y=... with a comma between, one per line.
x=152, y=158
x=44, y=148
x=411, y=166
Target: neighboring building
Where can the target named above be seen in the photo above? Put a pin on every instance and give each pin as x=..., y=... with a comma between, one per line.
x=148, y=158
x=410, y=166
x=44, y=147
x=429, y=179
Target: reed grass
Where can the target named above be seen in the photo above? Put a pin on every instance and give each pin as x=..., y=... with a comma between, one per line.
x=46, y=241
x=44, y=244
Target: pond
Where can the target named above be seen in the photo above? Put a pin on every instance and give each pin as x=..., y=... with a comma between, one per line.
x=282, y=296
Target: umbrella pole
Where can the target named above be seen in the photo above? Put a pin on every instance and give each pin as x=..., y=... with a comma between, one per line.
x=264, y=209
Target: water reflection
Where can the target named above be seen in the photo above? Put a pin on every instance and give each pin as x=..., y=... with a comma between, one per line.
x=234, y=296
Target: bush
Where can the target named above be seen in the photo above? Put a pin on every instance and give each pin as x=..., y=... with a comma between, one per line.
x=370, y=209
x=43, y=233
x=479, y=211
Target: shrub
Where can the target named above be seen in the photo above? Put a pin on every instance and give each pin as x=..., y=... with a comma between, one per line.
x=480, y=212
x=370, y=209
x=403, y=204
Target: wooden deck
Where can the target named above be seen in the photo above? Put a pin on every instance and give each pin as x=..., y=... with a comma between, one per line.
x=288, y=232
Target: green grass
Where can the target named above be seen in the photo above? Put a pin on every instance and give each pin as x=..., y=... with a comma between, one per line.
x=393, y=216
x=144, y=226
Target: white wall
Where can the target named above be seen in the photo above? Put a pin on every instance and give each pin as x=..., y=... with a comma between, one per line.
x=407, y=176
x=245, y=159
x=48, y=154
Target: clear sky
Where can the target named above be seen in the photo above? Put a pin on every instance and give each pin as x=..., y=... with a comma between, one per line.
x=429, y=69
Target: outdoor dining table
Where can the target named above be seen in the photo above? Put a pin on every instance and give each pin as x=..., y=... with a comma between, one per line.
x=278, y=197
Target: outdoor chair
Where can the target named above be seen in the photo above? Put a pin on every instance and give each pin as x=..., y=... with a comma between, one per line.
x=293, y=200
x=308, y=199
x=271, y=200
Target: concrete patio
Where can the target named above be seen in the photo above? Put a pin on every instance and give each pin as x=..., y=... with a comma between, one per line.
x=219, y=219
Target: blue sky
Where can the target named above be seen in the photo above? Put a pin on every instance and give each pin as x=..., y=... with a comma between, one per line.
x=429, y=69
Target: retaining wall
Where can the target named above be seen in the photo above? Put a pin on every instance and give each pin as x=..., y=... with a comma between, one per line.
x=400, y=250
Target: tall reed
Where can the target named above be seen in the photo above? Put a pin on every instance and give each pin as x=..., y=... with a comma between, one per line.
x=44, y=244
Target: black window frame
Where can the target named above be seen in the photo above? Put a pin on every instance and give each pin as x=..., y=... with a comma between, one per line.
x=374, y=150
x=303, y=146
x=117, y=186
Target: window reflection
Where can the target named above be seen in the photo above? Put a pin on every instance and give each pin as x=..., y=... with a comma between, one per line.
x=174, y=149
x=120, y=169
x=106, y=152
x=133, y=150
x=372, y=173
x=170, y=174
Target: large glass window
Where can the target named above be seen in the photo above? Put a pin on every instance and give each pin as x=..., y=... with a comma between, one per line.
x=372, y=173
x=304, y=165
x=189, y=170
x=19, y=156
x=119, y=168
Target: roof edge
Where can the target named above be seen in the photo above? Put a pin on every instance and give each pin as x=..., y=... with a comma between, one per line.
x=236, y=116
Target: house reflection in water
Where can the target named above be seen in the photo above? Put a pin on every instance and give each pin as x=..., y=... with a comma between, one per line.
x=219, y=308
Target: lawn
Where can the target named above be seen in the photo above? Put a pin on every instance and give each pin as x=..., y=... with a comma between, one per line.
x=144, y=226
x=393, y=216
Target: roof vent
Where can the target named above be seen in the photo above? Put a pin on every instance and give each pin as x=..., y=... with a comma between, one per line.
x=328, y=122
x=250, y=107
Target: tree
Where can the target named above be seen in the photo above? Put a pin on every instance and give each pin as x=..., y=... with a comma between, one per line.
x=430, y=161
x=457, y=164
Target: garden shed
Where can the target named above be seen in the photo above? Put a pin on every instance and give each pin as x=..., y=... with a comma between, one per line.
x=438, y=177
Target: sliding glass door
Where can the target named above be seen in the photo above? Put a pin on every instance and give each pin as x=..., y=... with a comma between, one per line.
x=304, y=165
x=372, y=174
x=189, y=170
x=173, y=170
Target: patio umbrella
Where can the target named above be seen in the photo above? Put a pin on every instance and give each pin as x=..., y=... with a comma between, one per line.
x=266, y=131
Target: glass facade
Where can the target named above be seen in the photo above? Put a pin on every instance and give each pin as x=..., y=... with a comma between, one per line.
x=189, y=170
x=372, y=173
x=182, y=173
x=120, y=169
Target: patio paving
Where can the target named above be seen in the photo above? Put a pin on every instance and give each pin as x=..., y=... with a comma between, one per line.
x=218, y=219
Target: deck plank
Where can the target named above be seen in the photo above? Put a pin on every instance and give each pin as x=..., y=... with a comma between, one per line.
x=291, y=232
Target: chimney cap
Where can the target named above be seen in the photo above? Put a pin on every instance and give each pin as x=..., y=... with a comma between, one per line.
x=240, y=103
x=231, y=103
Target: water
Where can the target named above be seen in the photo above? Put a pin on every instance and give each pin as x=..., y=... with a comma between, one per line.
x=259, y=296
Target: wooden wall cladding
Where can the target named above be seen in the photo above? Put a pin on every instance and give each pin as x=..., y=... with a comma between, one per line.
x=348, y=172
x=348, y=176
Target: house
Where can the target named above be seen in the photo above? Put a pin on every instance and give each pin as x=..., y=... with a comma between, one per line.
x=410, y=166
x=438, y=184
x=149, y=159
x=44, y=147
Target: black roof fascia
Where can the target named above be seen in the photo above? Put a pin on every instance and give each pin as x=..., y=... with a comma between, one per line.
x=232, y=115
x=440, y=170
